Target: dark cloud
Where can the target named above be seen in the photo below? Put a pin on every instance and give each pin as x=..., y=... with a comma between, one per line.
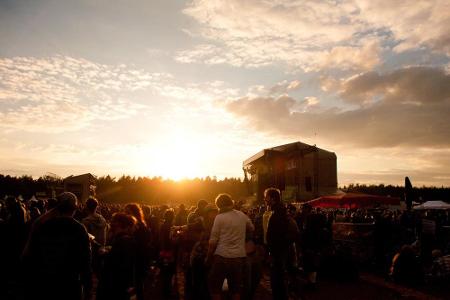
x=263, y=108
x=420, y=85
x=408, y=107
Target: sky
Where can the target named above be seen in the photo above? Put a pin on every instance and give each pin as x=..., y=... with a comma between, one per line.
x=193, y=88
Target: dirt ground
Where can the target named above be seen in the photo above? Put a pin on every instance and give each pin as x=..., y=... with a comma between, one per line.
x=368, y=287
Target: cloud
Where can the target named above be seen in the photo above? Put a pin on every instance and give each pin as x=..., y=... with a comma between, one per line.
x=285, y=86
x=407, y=107
x=311, y=101
x=199, y=93
x=61, y=93
x=258, y=33
x=419, y=24
x=415, y=85
x=280, y=88
x=314, y=35
x=364, y=57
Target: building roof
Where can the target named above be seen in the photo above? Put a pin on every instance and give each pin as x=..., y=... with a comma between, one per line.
x=286, y=149
x=77, y=178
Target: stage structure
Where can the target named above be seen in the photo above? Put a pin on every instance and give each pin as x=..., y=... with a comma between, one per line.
x=81, y=185
x=301, y=171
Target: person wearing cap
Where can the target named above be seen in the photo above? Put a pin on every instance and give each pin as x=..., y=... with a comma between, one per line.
x=226, y=248
x=57, y=257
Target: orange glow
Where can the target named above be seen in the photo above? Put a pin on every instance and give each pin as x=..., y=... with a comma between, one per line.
x=178, y=155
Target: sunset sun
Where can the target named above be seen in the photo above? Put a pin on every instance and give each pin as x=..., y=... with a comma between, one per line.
x=180, y=154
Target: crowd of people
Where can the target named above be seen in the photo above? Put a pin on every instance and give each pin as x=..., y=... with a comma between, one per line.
x=62, y=249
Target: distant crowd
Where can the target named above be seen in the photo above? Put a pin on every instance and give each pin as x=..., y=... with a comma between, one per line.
x=63, y=249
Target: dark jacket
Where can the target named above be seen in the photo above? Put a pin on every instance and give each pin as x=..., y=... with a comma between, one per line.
x=118, y=273
x=281, y=232
x=58, y=259
x=96, y=225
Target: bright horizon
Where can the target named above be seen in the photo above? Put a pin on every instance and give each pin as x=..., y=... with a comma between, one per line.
x=193, y=88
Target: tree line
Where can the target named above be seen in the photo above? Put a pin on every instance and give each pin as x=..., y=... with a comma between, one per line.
x=157, y=190
x=420, y=194
x=126, y=189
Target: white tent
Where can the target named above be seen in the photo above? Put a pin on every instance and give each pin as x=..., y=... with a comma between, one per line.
x=433, y=205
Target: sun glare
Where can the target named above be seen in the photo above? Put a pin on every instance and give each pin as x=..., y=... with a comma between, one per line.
x=178, y=155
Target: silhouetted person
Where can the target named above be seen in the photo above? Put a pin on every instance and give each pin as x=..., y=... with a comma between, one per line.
x=314, y=240
x=167, y=254
x=281, y=234
x=34, y=214
x=191, y=235
x=181, y=217
x=406, y=268
x=117, y=276
x=198, y=212
x=94, y=222
x=57, y=257
x=198, y=256
x=147, y=211
x=96, y=225
x=51, y=203
x=142, y=239
x=13, y=235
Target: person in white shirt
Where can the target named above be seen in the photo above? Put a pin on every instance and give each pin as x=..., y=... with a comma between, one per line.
x=226, y=248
